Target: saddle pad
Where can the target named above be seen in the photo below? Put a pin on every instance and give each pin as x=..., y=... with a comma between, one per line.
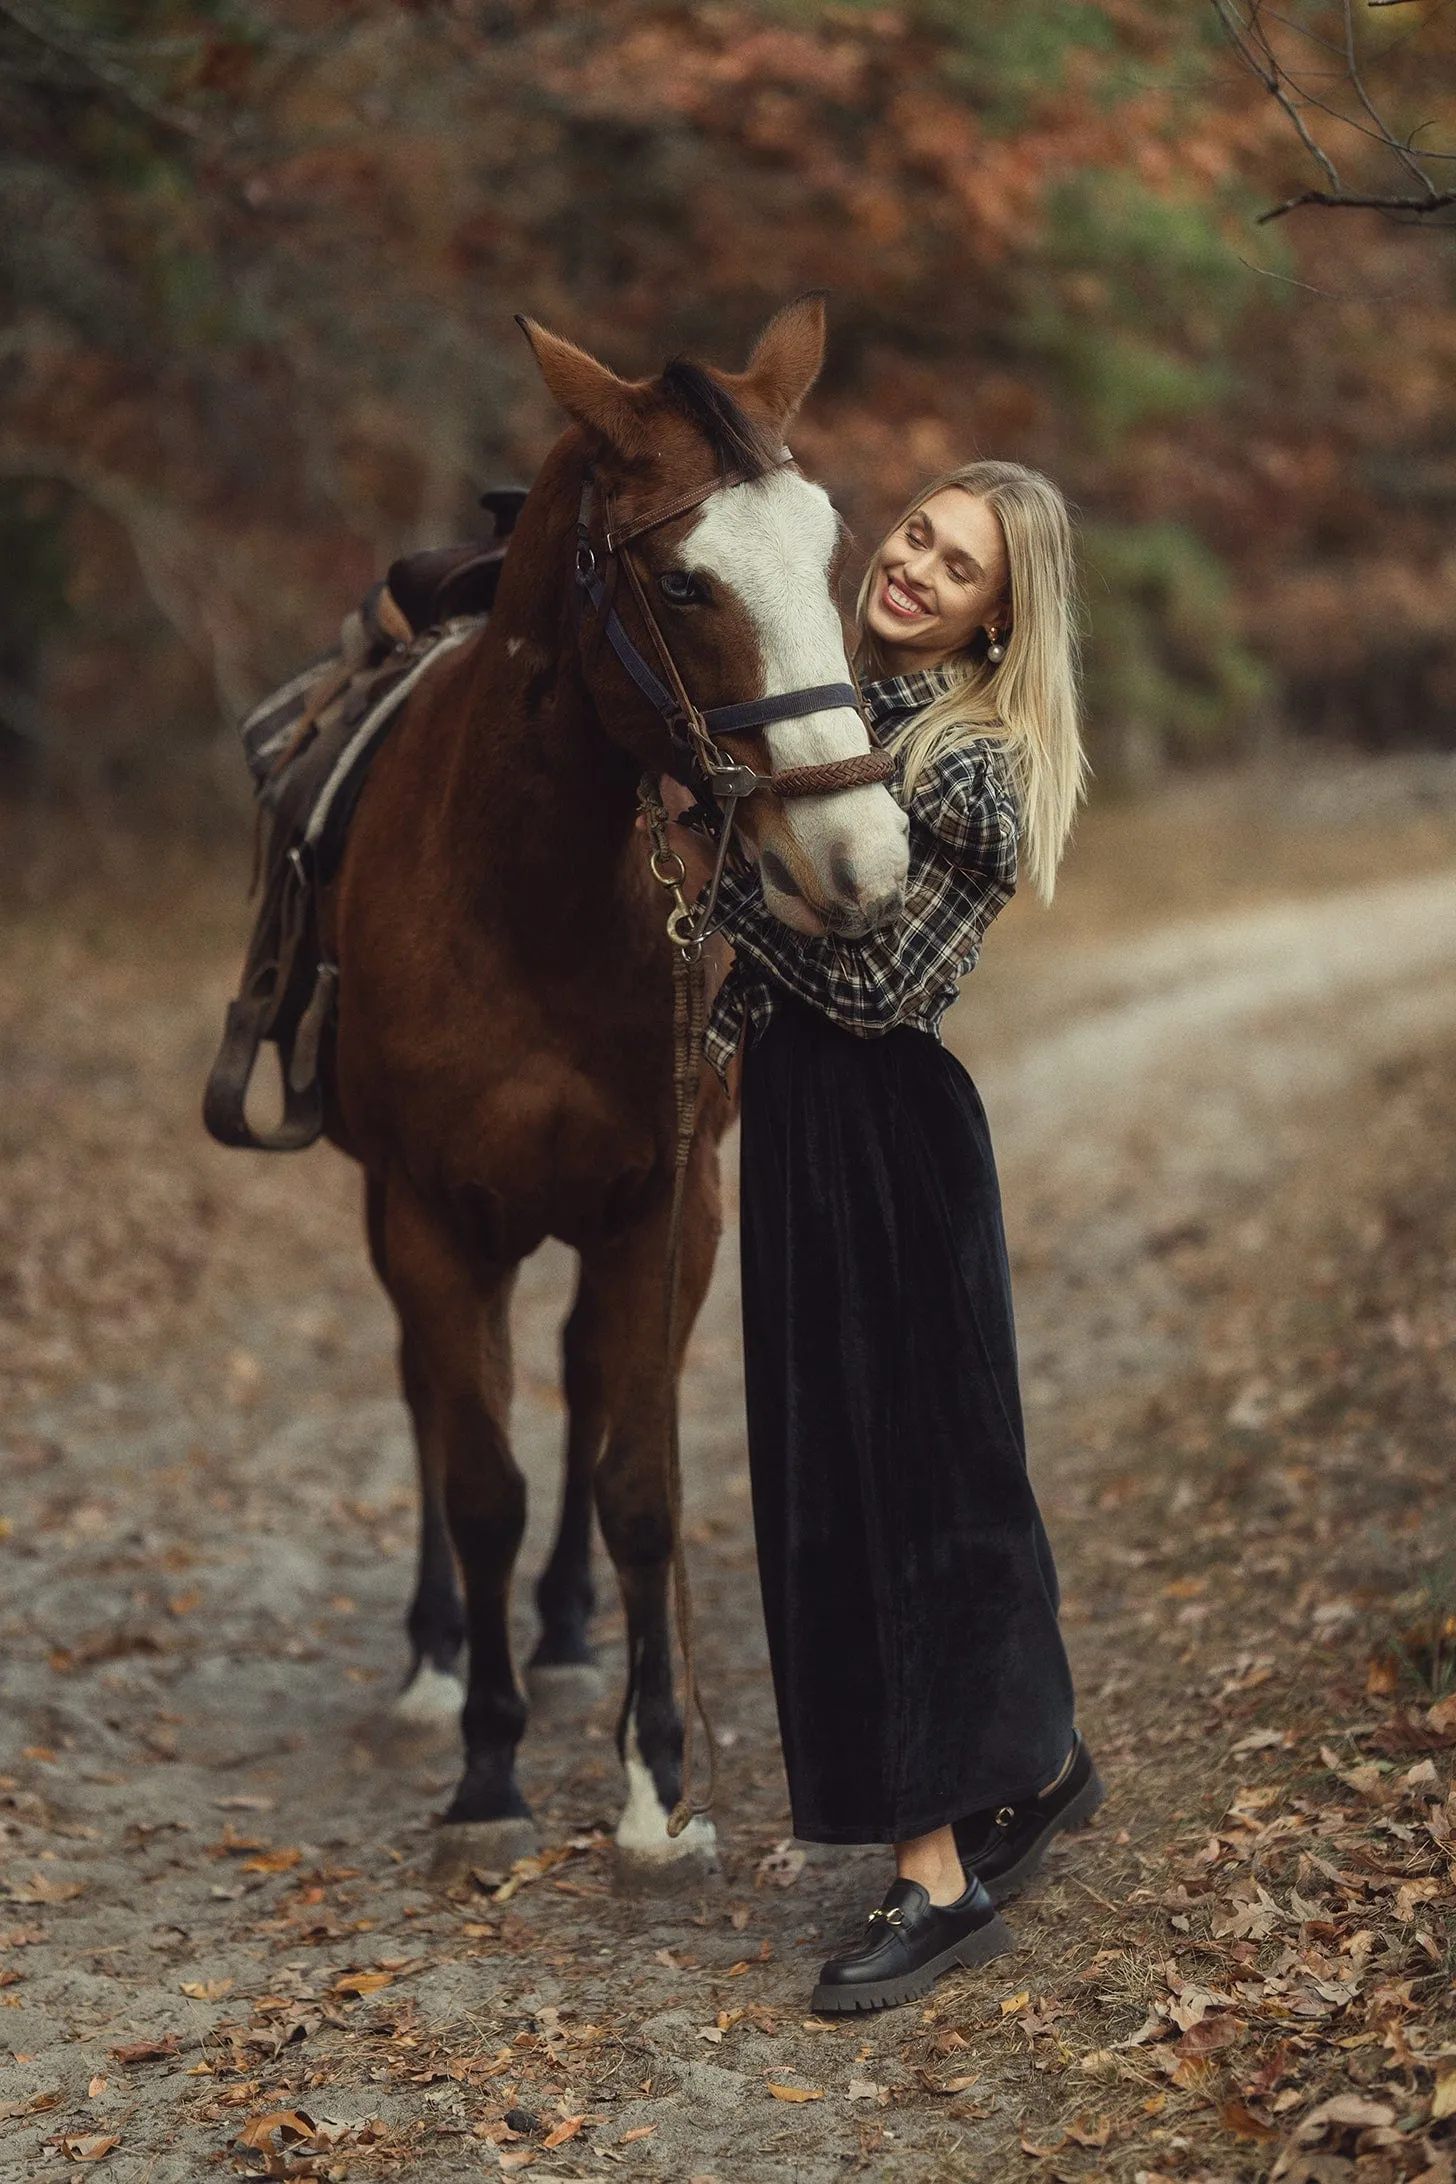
x=307, y=772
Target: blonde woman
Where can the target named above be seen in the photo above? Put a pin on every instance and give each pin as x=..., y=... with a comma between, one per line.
x=909, y=1593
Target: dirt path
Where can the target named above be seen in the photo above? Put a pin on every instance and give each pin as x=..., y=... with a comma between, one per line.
x=214, y=1900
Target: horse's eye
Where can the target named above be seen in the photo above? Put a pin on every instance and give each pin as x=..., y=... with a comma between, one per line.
x=679, y=587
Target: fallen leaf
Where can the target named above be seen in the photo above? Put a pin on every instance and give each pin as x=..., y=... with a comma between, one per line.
x=207, y=1990
x=245, y=1804
x=284, y=2123
x=272, y=1861
x=87, y=2146
x=713, y=2034
x=864, y=2089
x=1443, y=2100
x=796, y=2092
x=1086, y=2133
x=362, y=1983
x=1442, y=1716
x=643, y=2130
x=1012, y=2002
x=1243, y=2123
x=96, y=2088
x=1220, y=2029
x=42, y=1889
x=146, y=2051
x=961, y=2085
x=31, y=2105
x=566, y=2129
x=516, y=2157
x=1347, y=2108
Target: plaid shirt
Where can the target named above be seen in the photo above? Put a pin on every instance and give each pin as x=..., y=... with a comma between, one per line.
x=962, y=871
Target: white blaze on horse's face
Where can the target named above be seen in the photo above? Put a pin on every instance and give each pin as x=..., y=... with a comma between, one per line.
x=827, y=861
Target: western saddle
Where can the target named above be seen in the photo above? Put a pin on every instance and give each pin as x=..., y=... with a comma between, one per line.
x=309, y=747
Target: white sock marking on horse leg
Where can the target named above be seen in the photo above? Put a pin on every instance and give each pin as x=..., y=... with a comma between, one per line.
x=432, y=1694
x=642, y=1829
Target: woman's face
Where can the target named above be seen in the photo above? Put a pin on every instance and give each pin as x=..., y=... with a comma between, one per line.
x=937, y=580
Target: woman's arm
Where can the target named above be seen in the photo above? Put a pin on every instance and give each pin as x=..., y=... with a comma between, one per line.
x=957, y=885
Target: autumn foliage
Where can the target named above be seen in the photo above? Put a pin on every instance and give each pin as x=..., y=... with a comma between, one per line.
x=261, y=257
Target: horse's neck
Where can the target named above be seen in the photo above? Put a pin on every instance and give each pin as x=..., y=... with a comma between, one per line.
x=539, y=798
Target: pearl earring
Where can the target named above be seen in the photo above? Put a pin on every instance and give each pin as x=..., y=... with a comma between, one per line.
x=995, y=650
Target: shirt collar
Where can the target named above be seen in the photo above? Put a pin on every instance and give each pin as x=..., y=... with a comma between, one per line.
x=892, y=698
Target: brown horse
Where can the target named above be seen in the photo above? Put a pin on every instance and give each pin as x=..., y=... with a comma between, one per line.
x=503, y=1068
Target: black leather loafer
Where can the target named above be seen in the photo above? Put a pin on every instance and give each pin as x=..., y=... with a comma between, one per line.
x=907, y=1944
x=1003, y=1847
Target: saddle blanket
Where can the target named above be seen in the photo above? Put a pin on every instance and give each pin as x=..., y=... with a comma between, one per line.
x=309, y=744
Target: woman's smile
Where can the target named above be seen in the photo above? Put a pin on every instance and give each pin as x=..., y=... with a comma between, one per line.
x=902, y=603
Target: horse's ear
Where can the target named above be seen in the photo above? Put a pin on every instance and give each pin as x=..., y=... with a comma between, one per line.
x=590, y=394
x=786, y=360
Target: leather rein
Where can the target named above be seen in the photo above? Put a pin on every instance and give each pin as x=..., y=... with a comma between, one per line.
x=721, y=780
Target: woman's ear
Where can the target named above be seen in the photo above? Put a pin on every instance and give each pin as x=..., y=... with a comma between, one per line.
x=591, y=394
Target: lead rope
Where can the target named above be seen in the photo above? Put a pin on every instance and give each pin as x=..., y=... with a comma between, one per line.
x=689, y=1013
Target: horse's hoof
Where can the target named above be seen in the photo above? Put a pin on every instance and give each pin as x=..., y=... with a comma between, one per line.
x=682, y=1866
x=431, y=1697
x=564, y=1689
x=650, y=1861
x=464, y=1847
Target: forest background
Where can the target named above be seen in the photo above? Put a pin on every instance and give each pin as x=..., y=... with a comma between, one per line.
x=259, y=262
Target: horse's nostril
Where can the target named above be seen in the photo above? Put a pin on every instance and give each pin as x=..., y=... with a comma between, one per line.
x=778, y=875
x=844, y=876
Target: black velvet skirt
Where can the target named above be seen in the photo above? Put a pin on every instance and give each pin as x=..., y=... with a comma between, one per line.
x=908, y=1586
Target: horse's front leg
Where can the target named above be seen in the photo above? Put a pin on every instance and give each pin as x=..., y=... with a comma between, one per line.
x=432, y=1690
x=454, y=1311
x=633, y=1502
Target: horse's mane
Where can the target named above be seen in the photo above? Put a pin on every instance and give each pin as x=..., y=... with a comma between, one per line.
x=737, y=442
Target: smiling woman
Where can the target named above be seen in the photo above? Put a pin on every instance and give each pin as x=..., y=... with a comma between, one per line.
x=909, y=1592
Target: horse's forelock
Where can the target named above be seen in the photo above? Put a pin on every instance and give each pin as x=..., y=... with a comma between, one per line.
x=739, y=443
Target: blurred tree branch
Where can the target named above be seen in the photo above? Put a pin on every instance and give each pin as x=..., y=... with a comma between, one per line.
x=1310, y=72
x=97, y=71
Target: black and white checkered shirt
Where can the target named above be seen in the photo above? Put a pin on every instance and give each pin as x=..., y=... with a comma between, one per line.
x=962, y=871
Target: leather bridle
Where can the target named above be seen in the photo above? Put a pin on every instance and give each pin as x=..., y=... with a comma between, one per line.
x=721, y=781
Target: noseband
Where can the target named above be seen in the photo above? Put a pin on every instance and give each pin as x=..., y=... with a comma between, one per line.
x=695, y=731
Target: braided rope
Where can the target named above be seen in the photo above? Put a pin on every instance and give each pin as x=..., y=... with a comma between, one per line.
x=860, y=772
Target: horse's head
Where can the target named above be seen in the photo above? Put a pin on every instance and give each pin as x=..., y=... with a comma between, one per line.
x=737, y=556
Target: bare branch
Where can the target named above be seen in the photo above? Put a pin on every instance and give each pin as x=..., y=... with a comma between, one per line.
x=1344, y=201
x=1302, y=93
x=116, y=83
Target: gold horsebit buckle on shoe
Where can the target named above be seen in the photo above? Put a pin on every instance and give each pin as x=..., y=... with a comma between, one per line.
x=893, y=1917
x=1005, y=1816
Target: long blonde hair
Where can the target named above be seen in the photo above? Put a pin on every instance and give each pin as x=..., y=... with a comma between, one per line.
x=1028, y=703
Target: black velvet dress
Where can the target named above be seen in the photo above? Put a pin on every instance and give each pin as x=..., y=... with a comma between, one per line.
x=908, y=1586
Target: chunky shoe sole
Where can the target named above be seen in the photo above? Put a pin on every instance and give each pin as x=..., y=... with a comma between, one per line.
x=1075, y=1814
x=988, y=1941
